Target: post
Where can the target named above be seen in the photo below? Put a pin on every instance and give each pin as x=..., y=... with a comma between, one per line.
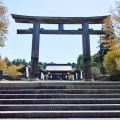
x=1, y=75
x=60, y=27
x=86, y=50
x=35, y=49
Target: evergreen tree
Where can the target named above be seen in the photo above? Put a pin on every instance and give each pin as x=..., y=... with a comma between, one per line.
x=8, y=62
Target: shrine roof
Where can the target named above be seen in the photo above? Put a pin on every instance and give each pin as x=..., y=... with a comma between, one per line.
x=22, y=69
x=58, y=20
x=58, y=67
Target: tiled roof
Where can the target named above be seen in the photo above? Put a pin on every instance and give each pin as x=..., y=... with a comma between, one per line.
x=58, y=67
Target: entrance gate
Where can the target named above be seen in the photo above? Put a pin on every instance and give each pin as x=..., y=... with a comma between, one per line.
x=36, y=31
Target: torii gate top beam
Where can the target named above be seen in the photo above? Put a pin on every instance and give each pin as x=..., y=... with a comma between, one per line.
x=58, y=20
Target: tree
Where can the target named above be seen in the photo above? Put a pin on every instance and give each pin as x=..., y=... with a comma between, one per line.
x=3, y=65
x=95, y=72
x=111, y=62
x=41, y=65
x=14, y=62
x=93, y=62
x=98, y=58
x=24, y=62
x=80, y=62
x=110, y=41
x=13, y=71
x=19, y=62
x=8, y=62
x=74, y=65
x=107, y=43
x=44, y=64
x=115, y=15
x=4, y=22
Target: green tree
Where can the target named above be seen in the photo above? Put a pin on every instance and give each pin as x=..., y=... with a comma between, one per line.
x=74, y=65
x=24, y=62
x=14, y=62
x=80, y=62
x=7, y=61
x=41, y=65
x=93, y=62
x=4, y=22
x=95, y=72
x=44, y=64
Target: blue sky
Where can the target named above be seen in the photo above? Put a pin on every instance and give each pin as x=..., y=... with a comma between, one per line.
x=53, y=48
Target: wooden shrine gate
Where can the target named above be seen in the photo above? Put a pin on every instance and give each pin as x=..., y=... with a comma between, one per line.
x=36, y=31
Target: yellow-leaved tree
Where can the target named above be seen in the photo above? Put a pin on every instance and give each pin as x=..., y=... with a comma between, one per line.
x=3, y=65
x=13, y=71
x=110, y=41
x=4, y=22
x=111, y=62
x=115, y=15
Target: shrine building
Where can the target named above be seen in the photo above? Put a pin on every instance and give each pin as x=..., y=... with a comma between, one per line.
x=56, y=72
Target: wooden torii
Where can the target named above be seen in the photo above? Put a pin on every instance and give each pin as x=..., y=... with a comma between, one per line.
x=36, y=31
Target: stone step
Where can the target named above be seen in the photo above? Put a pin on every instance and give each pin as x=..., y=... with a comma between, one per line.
x=62, y=101
x=65, y=91
x=54, y=83
x=62, y=87
x=58, y=107
x=59, y=99
x=47, y=96
x=60, y=114
x=62, y=119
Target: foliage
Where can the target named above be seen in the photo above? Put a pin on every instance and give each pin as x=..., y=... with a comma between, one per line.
x=95, y=72
x=74, y=65
x=44, y=64
x=3, y=65
x=8, y=62
x=69, y=77
x=98, y=58
x=107, y=43
x=80, y=62
x=93, y=62
x=41, y=65
x=13, y=71
x=4, y=22
x=111, y=62
x=115, y=14
x=19, y=61
x=110, y=41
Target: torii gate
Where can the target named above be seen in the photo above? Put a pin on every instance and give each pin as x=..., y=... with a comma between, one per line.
x=36, y=31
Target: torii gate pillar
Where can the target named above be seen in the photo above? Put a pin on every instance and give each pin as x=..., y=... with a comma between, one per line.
x=35, y=49
x=86, y=51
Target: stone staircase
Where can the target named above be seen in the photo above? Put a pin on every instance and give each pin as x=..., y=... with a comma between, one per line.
x=59, y=99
